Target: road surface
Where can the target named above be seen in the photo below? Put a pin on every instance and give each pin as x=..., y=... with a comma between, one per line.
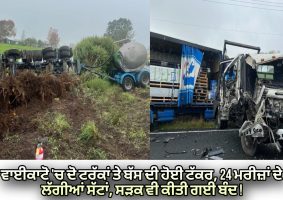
x=207, y=144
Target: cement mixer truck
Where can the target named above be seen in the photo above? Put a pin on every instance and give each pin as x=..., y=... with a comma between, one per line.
x=131, y=68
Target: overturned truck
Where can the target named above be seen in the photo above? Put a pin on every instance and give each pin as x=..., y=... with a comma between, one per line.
x=250, y=96
x=49, y=59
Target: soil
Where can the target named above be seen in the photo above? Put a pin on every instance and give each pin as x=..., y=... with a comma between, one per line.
x=28, y=97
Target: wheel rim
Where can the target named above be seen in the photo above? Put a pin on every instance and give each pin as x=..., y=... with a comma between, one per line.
x=145, y=80
x=128, y=84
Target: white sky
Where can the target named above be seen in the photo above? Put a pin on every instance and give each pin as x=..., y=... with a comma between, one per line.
x=210, y=22
x=75, y=19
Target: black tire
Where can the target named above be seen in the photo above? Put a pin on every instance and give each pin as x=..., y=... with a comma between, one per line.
x=33, y=55
x=65, y=52
x=48, y=53
x=144, y=79
x=13, y=53
x=128, y=84
x=249, y=145
x=221, y=124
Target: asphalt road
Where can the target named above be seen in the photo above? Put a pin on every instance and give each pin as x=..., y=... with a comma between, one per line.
x=201, y=145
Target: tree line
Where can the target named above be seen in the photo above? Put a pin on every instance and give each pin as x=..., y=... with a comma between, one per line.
x=8, y=29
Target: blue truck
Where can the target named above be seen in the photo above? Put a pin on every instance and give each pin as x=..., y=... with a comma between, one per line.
x=183, y=78
x=131, y=69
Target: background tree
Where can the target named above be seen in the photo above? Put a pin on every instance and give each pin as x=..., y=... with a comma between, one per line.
x=41, y=44
x=32, y=42
x=7, y=29
x=95, y=51
x=23, y=37
x=53, y=37
x=120, y=29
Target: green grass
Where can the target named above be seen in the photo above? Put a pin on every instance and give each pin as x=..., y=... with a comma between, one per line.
x=54, y=122
x=54, y=144
x=186, y=124
x=96, y=154
x=4, y=47
x=98, y=85
x=89, y=131
x=123, y=114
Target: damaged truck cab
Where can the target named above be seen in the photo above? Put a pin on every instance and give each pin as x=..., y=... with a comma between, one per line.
x=252, y=99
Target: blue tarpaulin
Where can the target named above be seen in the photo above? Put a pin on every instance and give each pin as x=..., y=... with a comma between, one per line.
x=190, y=65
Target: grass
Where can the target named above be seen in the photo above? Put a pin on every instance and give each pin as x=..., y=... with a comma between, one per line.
x=96, y=154
x=12, y=138
x=89, y=131
x=113, y=117
x=4, y=47
x=124, y=115
x=138, y=137
x=54, y=147
x=186, y=124
x=98, y=85
x=128, y=97
x=53, y=122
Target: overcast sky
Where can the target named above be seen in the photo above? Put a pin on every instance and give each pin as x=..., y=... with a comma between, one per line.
x=75, y=19
x=210, y=22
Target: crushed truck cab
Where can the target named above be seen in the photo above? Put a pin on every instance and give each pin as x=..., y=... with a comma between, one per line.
x=253, y=99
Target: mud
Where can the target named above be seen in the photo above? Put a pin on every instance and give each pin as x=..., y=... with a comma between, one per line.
x=26, y=87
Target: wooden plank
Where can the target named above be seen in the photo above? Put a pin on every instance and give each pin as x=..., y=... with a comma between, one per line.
x=163, y=99
x=201, y=85
x=201, y=81
x=164, y=85
x=201, y=90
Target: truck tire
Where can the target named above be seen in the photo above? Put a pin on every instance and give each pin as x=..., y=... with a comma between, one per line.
x=249, y=145
x=13, y=53
x=221, y=124
x=65, y=52
x=144, y=79
x=128, y=84
x=33, y=55
x=281, y=143
x=48, y=53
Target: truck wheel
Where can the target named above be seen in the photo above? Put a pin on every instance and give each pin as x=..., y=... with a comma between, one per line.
x=65, y=52
x=48, y=53
x=144, y=79
x=249, y=145
x=128, y=83
x=221, y=124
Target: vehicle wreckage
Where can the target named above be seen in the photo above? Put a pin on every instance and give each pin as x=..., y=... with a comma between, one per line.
x=250, y=95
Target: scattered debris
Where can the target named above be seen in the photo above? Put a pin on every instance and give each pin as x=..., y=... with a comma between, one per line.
x=166, y=140
x=181, y=152
x=215, y=152
x=214, y=158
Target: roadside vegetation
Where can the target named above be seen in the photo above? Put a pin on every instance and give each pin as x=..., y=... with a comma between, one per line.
x=186, y=123
x=93, y=119
x=122, y=116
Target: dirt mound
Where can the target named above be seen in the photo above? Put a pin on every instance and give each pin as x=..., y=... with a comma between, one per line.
x=21, y=89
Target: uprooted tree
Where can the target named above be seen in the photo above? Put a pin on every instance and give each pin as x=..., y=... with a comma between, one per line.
x=7, y=29
x=53, y=37
x=95, y=51
x=120, y=29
